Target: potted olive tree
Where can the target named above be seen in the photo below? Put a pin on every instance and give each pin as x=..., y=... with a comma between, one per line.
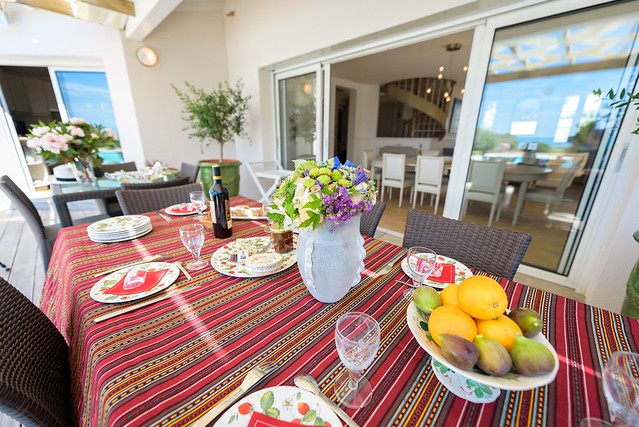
x=216, y=117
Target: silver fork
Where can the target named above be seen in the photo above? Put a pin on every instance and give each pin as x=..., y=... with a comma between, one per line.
x=254, y=376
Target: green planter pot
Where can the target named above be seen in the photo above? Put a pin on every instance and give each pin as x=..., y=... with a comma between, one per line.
x=230, y=175
x=630, y=306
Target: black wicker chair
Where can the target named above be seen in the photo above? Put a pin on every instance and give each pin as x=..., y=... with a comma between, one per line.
x=45, y=234
x=183, y=180
x=141, y=201
x=370, y=220
x=189, y=170
x=35, y=379
x=491, y=250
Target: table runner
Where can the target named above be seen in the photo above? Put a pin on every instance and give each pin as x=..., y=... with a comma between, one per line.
x=167, y=363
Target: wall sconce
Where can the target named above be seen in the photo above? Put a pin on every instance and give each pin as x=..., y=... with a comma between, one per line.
x=147, y=56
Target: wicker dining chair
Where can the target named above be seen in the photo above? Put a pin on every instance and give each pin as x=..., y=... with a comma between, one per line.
x=35, y=379
x=491, y=250
x=370, y=220
x=187, y=169
x=141, y=201
x=183, y=180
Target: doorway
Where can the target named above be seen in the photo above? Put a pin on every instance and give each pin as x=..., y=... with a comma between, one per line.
x=342, y=106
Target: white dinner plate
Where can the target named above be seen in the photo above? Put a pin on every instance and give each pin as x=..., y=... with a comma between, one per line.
x=118, y=224
x=176, y=211
x=510, y=381
x=282, y=403
x=98, y=290
x=220, y=261
x=461, y=271
x=244, y=212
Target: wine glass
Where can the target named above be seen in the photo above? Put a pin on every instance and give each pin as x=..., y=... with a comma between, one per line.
x=197, y=200
x=621, y=387
x=135, y=277
x=357, y=341
x=193, y=239
x=421, y=262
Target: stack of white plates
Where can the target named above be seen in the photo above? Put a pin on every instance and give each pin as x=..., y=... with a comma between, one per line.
x=120, y=228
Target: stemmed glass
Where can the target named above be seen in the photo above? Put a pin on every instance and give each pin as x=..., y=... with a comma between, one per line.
x=357, y=341
x=192, y=237
x=421, y=262
x=197, y=200
x=621, y=387
x=135, y=277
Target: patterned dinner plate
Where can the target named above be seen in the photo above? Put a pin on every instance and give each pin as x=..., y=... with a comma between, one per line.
x=98, y=291
x=220, y=260
x=183, y=209
x=474, y=381
x=461, y=271
x=118, y=224
x=284, y=403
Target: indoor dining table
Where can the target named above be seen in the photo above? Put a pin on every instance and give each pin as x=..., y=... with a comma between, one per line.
x=168, y=363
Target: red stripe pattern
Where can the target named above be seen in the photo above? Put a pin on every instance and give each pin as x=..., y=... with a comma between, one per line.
x=168, y=363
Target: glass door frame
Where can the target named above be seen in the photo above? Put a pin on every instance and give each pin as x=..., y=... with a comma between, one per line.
x=319, y=145
x=608, y=193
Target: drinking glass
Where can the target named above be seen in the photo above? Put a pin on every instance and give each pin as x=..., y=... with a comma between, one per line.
x=197, y=200
x=421, y=262
x=357, y=341
x=135, y=277
x=193, y=239
x=621, y=387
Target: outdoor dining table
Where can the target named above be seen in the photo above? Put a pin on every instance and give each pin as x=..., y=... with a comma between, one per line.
x=169, y=362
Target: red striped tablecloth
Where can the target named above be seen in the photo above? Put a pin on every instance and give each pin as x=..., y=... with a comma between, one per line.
x=166, y=364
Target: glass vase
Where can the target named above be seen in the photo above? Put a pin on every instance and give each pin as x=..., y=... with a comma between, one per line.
x=84, y=171
x=331, y=258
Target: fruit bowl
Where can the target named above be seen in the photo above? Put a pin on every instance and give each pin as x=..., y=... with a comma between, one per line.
x=474, y=385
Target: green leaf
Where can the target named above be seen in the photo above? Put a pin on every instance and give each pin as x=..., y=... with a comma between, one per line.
x=273, y=413
x=266, y=401
x=309, y=416
x=319, y=422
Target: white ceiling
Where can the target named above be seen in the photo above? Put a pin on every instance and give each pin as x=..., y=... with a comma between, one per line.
x=417, y=60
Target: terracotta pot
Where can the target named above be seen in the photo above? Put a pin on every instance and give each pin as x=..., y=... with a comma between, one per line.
x=230, y=175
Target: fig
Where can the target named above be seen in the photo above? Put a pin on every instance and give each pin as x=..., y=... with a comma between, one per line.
x=493, y=357
x=426, y=299
x=459, y=351
x=528, y=320
x=531, y=357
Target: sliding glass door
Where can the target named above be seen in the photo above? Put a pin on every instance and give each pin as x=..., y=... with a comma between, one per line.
x=540, y=118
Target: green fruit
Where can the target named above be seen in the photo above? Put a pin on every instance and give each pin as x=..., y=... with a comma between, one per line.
x=528, y=320
x=493, y=357
x=459, y=351
x=531, y=357
x=426, y=299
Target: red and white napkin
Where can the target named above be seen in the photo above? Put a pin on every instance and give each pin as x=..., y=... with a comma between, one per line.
x=153, y=278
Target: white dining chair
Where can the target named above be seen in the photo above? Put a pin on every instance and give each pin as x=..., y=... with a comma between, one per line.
x=551, y=197
x=270, y=171
x=367, y=157
x=485, y=184
x=429, y=176
x=394, y=175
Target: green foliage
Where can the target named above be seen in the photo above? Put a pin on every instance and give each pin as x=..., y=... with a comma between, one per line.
x=216, y=116
x=622, y=100
x=487, y=141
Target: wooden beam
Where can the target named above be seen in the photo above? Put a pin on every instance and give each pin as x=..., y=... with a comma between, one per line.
x=121, y=6
x=58, y=6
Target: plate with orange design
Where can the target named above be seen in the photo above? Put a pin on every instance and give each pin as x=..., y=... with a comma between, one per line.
x=284, y=403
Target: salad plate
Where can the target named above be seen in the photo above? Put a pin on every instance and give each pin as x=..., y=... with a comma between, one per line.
x=109, y=289
x=220, y=260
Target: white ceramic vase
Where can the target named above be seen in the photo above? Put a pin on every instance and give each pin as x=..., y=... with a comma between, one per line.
x=330, y=259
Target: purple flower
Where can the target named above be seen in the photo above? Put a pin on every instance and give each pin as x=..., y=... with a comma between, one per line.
x=360, y=175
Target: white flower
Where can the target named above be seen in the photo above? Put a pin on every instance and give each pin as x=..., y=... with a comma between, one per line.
x=111, y=134
x=76, y=131
x=77, y=121
x=39, y=131
x=34, y=143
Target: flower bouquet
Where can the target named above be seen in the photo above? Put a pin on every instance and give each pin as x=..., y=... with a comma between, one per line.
x=318, y=192
x=323, y=201
x=74, y=141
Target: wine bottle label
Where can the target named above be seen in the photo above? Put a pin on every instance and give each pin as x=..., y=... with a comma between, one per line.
x=213, y=215
x=229, y=221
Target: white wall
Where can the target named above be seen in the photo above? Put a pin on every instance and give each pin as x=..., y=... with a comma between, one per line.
x=190, y=47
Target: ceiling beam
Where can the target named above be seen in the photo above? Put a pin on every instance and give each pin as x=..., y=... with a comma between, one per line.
x=149, y=15
x=125, y=7
x=58, y=6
